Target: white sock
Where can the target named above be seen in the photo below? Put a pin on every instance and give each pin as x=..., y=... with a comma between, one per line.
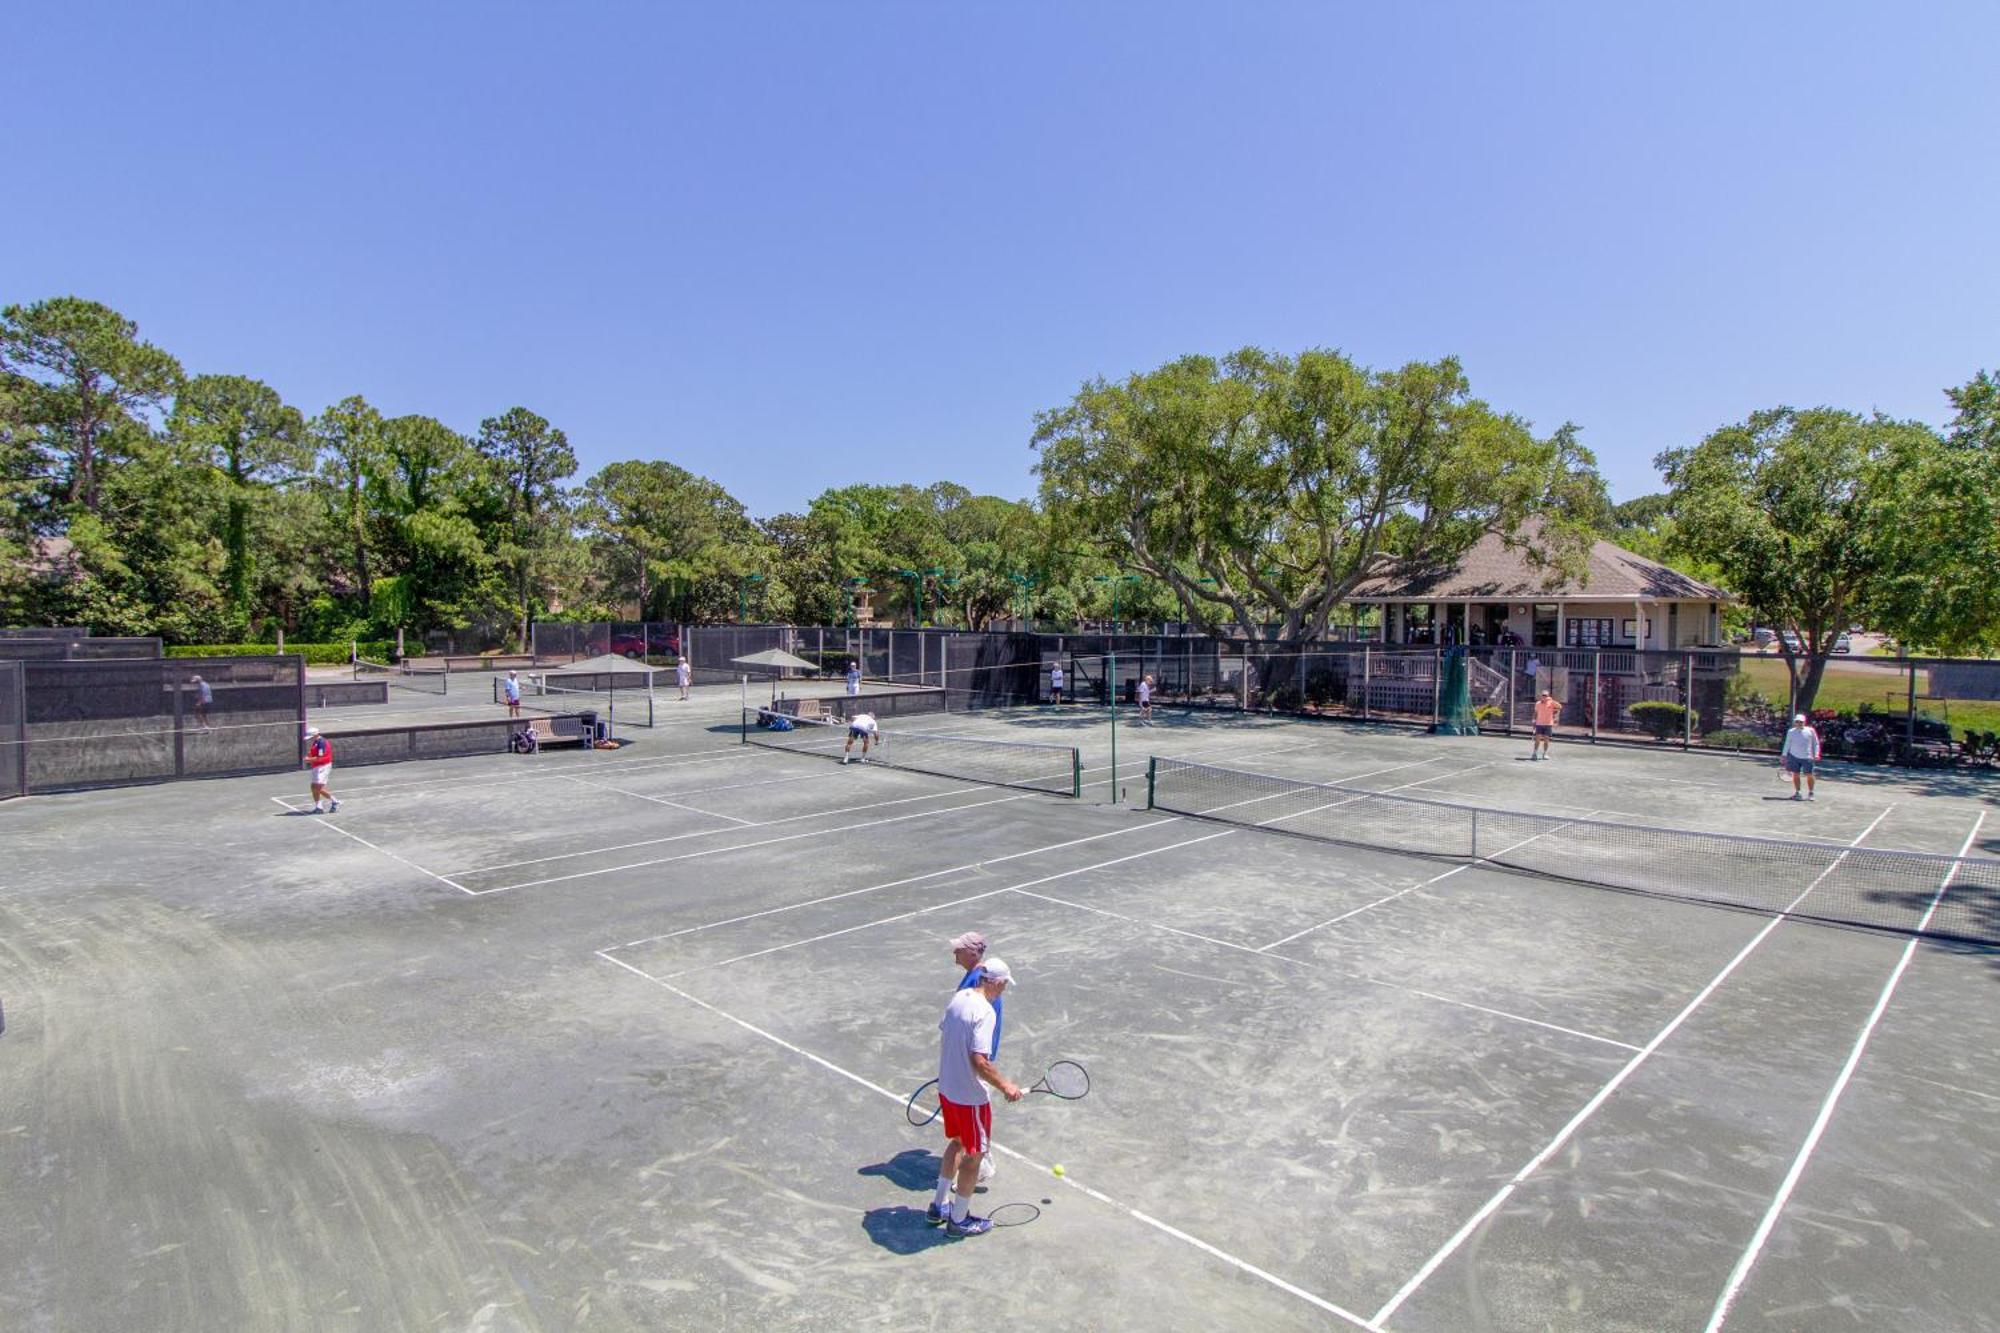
x=961, y=1207
x=943, y=1192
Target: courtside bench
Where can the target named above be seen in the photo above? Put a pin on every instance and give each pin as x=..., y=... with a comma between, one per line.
x=557, y=731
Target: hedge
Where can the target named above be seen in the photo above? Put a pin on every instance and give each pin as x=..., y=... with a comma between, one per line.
x=316, y=654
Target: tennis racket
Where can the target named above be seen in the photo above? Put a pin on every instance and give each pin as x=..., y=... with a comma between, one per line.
x=1014, y=1214
x=1065, y=1079
x=923, y=1106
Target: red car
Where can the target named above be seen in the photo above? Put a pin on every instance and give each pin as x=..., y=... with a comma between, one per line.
x=659, y=643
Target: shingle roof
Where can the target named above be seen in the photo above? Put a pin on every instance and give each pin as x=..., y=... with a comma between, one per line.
x=1491, y=569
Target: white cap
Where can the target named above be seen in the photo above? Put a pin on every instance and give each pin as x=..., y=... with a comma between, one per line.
x=1798, y=717
x=995, y=970
x=312, y=731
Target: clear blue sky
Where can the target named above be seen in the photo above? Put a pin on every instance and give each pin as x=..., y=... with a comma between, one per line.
x=796, y=245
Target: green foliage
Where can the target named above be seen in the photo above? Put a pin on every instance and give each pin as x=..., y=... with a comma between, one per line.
x=1728, y=739
x=1662, y=719
x=316, y=654
x=1485, y=713
x=1819, y=518
x=1260, y=489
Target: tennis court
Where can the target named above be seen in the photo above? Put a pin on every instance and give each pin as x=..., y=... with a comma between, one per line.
x=622, y=1040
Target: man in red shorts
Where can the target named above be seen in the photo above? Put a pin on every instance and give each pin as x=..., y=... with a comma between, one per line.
x=965, y=1068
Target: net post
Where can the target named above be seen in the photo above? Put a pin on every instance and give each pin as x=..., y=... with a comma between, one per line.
x=1152, y=772
x=180, y=725
x=743, y=724
x=1475, y=833
x=1366, y=667
x=1076, y=774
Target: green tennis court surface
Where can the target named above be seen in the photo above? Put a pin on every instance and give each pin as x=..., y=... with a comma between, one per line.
x=622, y=1040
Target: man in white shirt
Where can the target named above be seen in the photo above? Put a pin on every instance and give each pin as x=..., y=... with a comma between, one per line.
x=965, y=1068
x=860, y=727
x=683, y=677
x=1056, y=682
x=1146, y=699
x=1801, y=754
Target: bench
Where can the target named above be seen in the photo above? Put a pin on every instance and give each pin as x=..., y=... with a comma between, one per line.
x=557, y=731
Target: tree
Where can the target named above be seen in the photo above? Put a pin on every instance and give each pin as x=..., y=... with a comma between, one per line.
x=90, y=383
x=427, y=488
x=348, y=438
x=656, y=526
x=1977, y=423
x=255, y=444
x=1819, y=517
x=1260, y=489
x=530, y=458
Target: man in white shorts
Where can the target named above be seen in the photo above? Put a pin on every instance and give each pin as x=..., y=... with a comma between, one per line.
x=319, y=758
x=853, y=679
x=860, y=727
x=683, y=676
x=1146, y=699
x=965, y=1068
x=1801, y=754
x=1056, y=682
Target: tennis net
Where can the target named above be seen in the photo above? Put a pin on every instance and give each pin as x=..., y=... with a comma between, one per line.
x=1911, y=892
x=631, y=707
x=425, y=680
x=1055, y=769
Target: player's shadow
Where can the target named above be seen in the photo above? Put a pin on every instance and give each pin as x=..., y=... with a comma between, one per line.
x=912, y=1168
x=902, y=1230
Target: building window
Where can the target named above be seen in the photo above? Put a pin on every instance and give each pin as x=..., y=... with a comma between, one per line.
x=1588, y=633
x=1544, y=635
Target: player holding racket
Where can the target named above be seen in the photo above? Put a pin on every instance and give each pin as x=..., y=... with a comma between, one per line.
x=966, y=951
x=965, y=1068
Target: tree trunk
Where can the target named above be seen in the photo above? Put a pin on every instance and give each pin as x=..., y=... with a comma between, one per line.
x=357, y=524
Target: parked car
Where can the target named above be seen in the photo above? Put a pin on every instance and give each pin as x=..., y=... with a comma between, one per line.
x=659, y=643
x=1763, y=637
x=1844, y=644
x=1792, y=641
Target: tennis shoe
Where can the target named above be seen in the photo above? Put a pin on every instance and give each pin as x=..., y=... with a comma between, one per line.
x=936, y=1216
x=971, y=1226
x=335, y=809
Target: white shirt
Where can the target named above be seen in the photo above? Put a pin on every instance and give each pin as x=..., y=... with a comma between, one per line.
x=1055, y=677
x=1145, y=692
x=862, y=722
x=1802, y=743
x=967, y=1026
x=681, y=673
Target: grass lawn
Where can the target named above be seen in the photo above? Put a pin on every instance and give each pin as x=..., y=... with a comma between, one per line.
x=1882, y=689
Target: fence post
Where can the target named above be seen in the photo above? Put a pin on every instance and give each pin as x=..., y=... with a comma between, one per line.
x=1513, y=667
x=1437, y=681
x=1910, y=723
x=1596, y=691
x=1367, y=669
x=1687, y=700
x=180, y=749
x=1475, y=833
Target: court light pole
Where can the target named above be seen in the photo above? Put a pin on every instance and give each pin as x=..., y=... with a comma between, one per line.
x=916, y=595
x=743, y=582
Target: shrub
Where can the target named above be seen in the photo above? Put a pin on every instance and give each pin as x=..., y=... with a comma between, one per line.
x=1730, y=739
x=316, y=654
x=1660, y=718
x=1486, y=713
x=1287, y=698
x=1321, y=687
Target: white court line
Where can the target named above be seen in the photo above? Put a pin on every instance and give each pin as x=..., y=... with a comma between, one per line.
x=1604, y=1094
x=1362, y=977
x=1741, y=1272
x=1334, y=921
x=710, y=832
x=743, y=846
x=894, y=883
x=327, y=823
x=1362, y=796
x=900, y=916
x=1241, y=1265
x=657, y=800
x=460, y=778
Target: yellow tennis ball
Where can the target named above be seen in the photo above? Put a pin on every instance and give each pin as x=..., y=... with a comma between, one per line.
x=1057, y=1168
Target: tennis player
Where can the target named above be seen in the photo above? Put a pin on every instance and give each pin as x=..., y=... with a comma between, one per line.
x=1056, y=682
x=511, y=690
x=967, y=951
x=683, y=676
x=204, y=695
x=1801, y=754
x=1146, y=699
x=860, y=727
x=853, y=679
x=965, y=1068
x=319, y=758
x=1547, y=709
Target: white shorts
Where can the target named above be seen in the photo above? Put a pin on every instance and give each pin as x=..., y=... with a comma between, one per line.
x=321, y=773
